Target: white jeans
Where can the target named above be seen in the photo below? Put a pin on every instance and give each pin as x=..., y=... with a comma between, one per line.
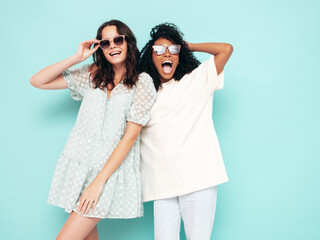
x=197, y=210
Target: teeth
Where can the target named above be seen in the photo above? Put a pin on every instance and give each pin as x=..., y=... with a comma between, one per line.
x=114, y=53
x=166, y=63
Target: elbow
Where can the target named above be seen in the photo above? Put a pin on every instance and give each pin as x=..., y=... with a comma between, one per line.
x=132, y=132
x=229, y=48
x=34, y=82
x=132, y=137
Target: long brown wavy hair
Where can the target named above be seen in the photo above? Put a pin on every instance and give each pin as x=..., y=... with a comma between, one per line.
x=103, y=73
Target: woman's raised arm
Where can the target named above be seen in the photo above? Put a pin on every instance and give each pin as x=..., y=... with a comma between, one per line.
x=221, y=52
x=51, y=76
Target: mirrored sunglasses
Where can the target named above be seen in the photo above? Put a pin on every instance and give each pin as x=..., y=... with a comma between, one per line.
x=161, y=49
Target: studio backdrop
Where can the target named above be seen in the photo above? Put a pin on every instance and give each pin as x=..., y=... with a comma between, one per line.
x=267, y=116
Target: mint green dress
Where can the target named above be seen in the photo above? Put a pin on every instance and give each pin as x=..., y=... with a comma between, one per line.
x=99, y=127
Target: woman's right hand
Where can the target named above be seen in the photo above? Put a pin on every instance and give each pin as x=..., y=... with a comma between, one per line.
x=85, y=51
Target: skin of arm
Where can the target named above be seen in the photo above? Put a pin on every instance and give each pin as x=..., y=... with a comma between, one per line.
x=221, y=52
x=51, y=76
x=91, y=195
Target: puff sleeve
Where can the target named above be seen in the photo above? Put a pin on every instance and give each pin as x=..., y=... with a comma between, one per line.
x=143, y=99
x=78, y=80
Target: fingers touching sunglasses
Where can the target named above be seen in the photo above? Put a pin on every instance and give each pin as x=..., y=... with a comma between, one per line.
x=161, y=49
x=118, y=40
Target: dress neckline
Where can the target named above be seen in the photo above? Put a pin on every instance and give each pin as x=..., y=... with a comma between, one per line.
x=109, y=97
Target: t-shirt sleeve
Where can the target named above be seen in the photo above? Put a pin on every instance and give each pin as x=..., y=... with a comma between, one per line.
x=208, y=77
x=143, y=99
x=78, y=80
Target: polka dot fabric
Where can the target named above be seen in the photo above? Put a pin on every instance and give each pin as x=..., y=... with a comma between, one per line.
x=142, y=102
x=99, y=127
x=78, y=81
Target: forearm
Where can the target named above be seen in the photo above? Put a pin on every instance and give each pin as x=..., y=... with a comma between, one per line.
x=211, y=48
x=52, y=72
x=93, y=191
x=116, y=158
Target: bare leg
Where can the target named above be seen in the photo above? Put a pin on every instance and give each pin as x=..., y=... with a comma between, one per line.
x=93, y=235
x=77, y=227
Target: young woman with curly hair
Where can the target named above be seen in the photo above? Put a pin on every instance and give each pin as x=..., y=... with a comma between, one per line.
x=181, y=159
x=98, y=173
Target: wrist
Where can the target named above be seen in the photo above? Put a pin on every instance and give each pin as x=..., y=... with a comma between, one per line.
x=190, y=46
x=75, y=59
x=100, y=180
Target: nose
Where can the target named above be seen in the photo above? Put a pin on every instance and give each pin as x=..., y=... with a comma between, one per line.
x=167, y=53
x=112, y=45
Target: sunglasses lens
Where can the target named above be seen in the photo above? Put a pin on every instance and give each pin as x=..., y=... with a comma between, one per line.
x=104, y=44
x=159, y=49
x=174, y=49
x=118, y=40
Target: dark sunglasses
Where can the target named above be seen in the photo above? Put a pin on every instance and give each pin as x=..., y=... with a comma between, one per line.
x=118, y=40
x=161, y=49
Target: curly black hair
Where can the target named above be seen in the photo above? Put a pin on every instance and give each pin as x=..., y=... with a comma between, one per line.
x=187, y=60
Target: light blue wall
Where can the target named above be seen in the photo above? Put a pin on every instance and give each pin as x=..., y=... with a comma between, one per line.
x=267, y=116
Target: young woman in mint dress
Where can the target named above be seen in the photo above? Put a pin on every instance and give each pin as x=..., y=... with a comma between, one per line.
x=98, y=173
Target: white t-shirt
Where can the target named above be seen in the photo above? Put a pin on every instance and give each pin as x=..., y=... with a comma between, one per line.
x=179, y=146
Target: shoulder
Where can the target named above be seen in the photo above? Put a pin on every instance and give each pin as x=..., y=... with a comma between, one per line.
x=145, y=77
x=83, y=68
x=86, y=68
x=202, y=68
x=206, y=64
x=81, y=71
x=145, y=83
x=91, y=67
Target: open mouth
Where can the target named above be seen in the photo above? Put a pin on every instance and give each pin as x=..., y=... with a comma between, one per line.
x=114, y=53
x=166, y=67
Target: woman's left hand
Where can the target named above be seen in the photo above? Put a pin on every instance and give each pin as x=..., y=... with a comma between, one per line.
x=90, y=197
x=189, y=46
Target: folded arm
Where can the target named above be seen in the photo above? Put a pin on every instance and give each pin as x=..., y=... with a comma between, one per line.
x=221, y=52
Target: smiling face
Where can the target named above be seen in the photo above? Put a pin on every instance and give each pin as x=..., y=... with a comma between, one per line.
x=115, y=54
x=166, y=63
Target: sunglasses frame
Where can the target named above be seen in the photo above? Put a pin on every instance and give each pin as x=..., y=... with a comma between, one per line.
x=112, y=40
x=166, y=46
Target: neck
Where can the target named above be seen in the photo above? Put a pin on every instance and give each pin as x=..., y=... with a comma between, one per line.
x=119, y=72
x=164, y=80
